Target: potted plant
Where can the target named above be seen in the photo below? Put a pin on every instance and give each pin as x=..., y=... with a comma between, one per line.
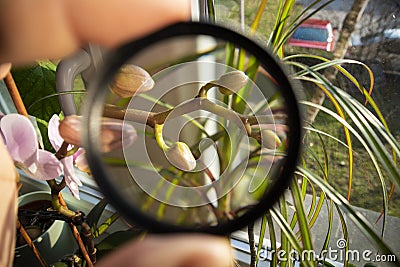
x=46, y=232
x=56, y=219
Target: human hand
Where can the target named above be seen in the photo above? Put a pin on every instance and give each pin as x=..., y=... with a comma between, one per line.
x=31, y=30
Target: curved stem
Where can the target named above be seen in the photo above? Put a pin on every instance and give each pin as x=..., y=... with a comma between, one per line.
x=56, y=188
x=62, y=152
x=158, y=133
x=204, y=89
x=88, y=240
x=72, y=151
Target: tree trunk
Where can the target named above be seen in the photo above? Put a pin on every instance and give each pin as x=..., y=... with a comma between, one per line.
x=349, y=23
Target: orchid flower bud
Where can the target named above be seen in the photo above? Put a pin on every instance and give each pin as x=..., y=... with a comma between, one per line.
x=82, y=163
x=180, y=156
x=114, y=133
x=131, y=79
x=270, y=140
x=231, y=82
x=69, y=130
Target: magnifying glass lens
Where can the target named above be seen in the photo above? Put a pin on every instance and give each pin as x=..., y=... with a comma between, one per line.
x=193, y=131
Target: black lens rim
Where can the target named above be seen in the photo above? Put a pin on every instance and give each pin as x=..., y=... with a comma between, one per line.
x=98, y=91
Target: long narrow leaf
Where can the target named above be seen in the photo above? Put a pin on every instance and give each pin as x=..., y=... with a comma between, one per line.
x=302, y=219
x=300, y=19
x=272, y=238
x=340, y=111
x=329, y=230
x=284, y=236
x=94, y=215
x=366, y=147
x=257, y=18
x=285, y=228
x=261, y=236
x=357, y=218
x=326, y=63
x=325, y=172
x=344, y=230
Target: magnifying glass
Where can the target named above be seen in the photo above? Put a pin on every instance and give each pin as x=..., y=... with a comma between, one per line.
x=194, y=128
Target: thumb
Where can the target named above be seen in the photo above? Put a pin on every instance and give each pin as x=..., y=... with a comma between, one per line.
x=194, y=250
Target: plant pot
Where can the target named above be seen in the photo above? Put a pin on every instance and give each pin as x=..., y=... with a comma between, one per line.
x=52, y=244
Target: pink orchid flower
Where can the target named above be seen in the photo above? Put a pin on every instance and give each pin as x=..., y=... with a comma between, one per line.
x=56, y=141
x=114, y=134
x=21, y=141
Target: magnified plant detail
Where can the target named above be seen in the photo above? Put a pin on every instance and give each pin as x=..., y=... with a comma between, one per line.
x=211, y=139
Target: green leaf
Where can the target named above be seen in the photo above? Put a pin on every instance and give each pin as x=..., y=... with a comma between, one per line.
x=105, y=225
x=258, y=16
x=36, y=82
x=354, y=215
x=364, y=121
x=345, y=233
x=302, y=218
x=211, y=10
x=272, y=237
x=261, y=237
x=285, y=235
x=95, y=213
x=288, y=235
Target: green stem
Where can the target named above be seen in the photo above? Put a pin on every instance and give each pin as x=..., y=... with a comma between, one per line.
x=72, y=151
x=169, y=106
x=158, y=133
x=60, y=208
x=204, y=89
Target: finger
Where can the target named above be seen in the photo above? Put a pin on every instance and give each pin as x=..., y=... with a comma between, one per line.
x=31, y=30
x=4, y=69
x=173, y=251
x=8, y=206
